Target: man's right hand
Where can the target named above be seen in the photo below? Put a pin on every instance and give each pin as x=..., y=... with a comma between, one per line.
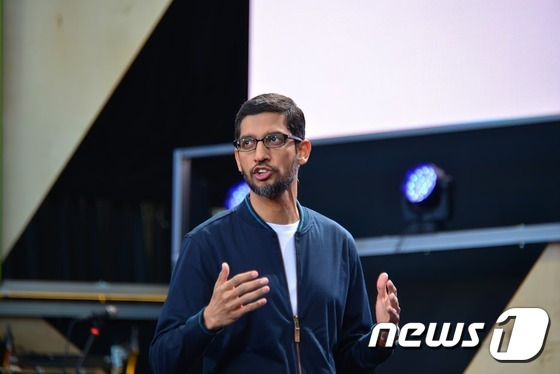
x=231, y=299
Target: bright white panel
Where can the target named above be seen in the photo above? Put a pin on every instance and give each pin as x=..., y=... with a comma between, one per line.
x=363, y=66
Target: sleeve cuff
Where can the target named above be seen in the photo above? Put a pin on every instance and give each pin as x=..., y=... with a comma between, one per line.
x=201, y=324
x=395, y=341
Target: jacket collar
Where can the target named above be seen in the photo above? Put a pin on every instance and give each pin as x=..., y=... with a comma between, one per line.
x=250, y=216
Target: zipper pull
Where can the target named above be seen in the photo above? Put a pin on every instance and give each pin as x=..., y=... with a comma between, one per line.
x=296, y=329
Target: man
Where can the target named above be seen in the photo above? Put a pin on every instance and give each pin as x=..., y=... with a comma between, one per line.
x=290, y=294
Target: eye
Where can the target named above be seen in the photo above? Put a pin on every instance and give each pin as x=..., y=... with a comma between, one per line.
x=246, y=142
x=275, y=139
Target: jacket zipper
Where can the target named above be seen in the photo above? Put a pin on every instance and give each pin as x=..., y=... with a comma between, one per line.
x=297, y=331
x=296, y=340
x=296, y=318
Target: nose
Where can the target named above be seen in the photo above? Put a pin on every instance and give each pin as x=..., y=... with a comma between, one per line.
x=261, y=152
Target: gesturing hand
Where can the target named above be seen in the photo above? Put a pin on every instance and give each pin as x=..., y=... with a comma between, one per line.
x=387, y=307
x=231, y=299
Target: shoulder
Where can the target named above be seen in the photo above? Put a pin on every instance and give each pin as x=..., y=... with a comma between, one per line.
x=203, y=238
x=220, y=225
x=216, y=222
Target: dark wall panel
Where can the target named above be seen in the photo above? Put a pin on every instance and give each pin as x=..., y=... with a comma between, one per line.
x=502, y=176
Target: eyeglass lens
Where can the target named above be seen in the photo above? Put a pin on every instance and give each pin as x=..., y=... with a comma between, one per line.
x=275, y=140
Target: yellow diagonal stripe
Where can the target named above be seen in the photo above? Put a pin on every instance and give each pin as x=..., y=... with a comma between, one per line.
x=62, y=61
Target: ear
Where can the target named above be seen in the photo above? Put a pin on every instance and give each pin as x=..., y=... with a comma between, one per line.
x=236, y=154
x=304, y=150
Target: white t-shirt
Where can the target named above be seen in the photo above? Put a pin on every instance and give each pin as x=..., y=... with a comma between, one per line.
x=288, y=246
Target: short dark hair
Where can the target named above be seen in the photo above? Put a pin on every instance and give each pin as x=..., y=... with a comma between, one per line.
x=276, y=103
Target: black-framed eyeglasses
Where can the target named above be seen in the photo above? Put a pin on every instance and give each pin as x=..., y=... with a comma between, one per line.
x=272, y=140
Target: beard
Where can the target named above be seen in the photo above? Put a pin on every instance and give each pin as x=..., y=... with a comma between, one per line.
x=280, y=185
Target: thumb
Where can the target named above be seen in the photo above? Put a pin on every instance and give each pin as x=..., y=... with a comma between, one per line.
x=382, y=285
x=224, y=274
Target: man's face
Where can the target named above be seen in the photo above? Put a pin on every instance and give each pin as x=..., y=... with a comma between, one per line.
x=268, y=172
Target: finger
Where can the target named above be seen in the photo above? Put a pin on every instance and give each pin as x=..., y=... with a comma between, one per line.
x=250, y=297
x=382, y=285
x=394, y=315
x=250, y=307
x=223, y=276
x=393, y=300
x=248, y=286
x=394, y=304
x=391, y=287
x=242, y=278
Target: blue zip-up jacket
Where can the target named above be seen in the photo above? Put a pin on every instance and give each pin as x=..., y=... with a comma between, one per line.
x=334, y=314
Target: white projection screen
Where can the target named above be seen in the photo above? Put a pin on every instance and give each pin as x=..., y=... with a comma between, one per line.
x=375, y=66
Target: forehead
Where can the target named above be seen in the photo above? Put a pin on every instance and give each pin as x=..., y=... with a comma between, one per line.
x=263, y=123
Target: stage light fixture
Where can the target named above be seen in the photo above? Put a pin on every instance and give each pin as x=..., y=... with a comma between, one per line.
x=236, y=194
x=426, y=200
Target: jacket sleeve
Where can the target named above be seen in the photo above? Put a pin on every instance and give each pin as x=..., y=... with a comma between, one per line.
x=180, y=338
x=353, y=354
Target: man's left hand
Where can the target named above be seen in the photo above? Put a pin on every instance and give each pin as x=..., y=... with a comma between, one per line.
x=387, y=307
